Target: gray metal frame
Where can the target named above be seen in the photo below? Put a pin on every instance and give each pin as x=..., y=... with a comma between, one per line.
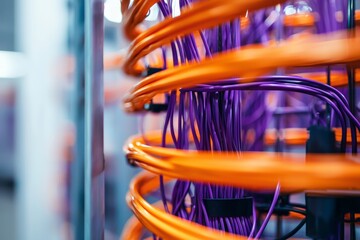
x=88, y=177
x=77, y=167
x=94, y=121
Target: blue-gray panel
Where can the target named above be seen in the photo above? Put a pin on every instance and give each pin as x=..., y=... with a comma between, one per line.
x=7, y=25
x=94, y=151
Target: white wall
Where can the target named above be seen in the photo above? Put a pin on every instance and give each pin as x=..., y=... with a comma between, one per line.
x=41, y=36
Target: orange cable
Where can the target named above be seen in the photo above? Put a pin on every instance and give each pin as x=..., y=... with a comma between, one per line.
x=254, y=170
x=251, y=59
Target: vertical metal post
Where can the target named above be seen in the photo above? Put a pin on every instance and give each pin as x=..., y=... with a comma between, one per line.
x=94, y=156
x=77, y=168
x=350, y=69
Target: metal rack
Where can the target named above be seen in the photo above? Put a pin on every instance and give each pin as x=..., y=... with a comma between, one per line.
x=88, y=168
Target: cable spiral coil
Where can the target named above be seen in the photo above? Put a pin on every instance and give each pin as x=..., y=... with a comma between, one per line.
x=249, y=170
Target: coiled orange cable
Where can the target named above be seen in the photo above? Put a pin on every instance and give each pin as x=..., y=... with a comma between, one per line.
x=248, y=170
x=203, y=14
x=344, y=49
x=162, y=224
x=252, y=170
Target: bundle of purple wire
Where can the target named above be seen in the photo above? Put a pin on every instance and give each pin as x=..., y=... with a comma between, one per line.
x=233, y=116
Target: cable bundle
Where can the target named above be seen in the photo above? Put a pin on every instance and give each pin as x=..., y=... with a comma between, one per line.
x=219, y=98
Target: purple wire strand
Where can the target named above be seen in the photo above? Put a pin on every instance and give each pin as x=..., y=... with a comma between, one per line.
x=218, y=111
x=317, y=87
x=212, y=126
x=267, y=218
x=253, y=228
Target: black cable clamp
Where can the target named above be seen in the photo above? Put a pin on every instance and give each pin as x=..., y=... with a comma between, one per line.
x=234, y=207
x=150, y=71
x=154, y=107
x=325, y=213
x=321, y=140
x=131, y=161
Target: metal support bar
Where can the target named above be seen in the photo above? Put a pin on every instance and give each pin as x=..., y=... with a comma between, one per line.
x=77, y=166
x=94, y=155
x=350, y=69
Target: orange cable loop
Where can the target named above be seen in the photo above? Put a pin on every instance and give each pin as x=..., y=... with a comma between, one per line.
x=134, y=229
x=162, y=224
x=253, y=170
x=250, y=170
x=225, y=65
x=201, y=15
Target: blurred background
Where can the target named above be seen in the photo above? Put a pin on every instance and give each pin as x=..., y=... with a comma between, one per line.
x=40, y=42
x=38, y=114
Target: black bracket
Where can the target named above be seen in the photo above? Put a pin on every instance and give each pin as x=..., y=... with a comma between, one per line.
x=237, y=207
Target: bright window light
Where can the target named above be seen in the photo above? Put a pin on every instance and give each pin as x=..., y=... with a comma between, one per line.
x=153, y=14
x=302, y=7
x=112, y=11
x=175, y=9
x=12, y=64
x=289, y=10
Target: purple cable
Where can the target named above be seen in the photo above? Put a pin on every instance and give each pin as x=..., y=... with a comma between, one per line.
x=217, y=112
x=166, y=11
x=270, y=86
x=162, y=187
x=253, y=228
x=267, y=218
